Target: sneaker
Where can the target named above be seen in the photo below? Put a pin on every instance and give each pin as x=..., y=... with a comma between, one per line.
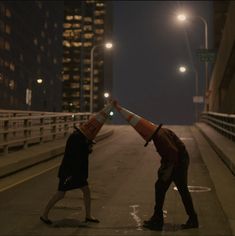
x=46, y=221
x=192, y=222
x=92, y=220
x=153, y=224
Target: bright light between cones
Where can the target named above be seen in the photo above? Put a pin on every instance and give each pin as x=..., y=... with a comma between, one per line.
x=111, y=113
x=182, y=69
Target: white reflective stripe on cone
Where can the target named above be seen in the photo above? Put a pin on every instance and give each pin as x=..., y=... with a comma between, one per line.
x=134, y=120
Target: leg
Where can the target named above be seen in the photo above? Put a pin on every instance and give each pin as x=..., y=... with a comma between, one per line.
x=87, y=204
x=181, y=184
x=54, y=199
x=161, y=188
x=156, y=221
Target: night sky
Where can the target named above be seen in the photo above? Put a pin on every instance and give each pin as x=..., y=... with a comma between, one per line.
x=149, y=45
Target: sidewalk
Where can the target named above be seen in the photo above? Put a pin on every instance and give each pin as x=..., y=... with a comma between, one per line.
x=218, y=154
x=19, y=160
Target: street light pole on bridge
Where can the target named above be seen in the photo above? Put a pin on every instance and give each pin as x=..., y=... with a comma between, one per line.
x=108, y=46
x=183, y=17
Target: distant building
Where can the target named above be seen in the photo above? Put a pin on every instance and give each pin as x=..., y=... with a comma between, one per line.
x=31, y=49
x=86, y=24
x=222, y=85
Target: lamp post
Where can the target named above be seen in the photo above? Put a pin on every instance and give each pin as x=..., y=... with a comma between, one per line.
x=183, y=69
x=183, y=17
x=108, y=46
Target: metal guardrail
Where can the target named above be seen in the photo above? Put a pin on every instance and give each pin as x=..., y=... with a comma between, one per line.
x=223, y=123
x=23, y=128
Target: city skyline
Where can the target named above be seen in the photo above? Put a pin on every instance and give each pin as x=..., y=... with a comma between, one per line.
x=149, y=46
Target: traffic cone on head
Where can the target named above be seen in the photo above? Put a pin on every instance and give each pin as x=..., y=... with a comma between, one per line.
x=91, y=128
x=144, y=127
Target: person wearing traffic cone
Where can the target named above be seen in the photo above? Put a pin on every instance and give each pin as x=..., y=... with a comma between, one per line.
x=73, y=171
x=173, y=168
x=144, y=127
x=91, y=128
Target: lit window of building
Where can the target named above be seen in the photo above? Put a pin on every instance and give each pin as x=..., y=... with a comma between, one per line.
x=67, y=25
x=88, y=19
x=87, y=44
x=69, y=17
x=65, y=77
x=99, y=31
x=76, y=77
x=77, y=44
x=12, y=67
x=66, y=43
x=8, y=29
x=87, y=27
x=1, y=77
x=77, y=17
x=99, y=21
x=12, y=84
x=7, y=45
x=88, y=36
x=35, y=41
x=8, y=13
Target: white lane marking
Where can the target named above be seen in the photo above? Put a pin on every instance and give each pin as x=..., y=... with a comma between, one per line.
x=164, y=213
x=135, y=217
x=28, y=178
x=196, y=189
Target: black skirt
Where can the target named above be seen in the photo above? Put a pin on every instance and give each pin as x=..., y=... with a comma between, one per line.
x=70, y=183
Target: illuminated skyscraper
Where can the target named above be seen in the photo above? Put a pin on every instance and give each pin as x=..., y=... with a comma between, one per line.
x=86, y=24
x=30, y=53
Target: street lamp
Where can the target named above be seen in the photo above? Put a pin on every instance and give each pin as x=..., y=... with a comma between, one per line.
x=39, y=81
x=183, y=69
x=106, y=94
x=183, y=17
x=107, y=46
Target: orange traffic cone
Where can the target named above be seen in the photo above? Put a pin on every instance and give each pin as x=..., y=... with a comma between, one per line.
x=91, y=128
x=144, y=127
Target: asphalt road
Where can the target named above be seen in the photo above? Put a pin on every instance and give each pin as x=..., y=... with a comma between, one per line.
x=122, y=177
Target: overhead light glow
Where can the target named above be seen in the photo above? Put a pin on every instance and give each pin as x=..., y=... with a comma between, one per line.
x=182, y=69
x=106, y=95
x=181, y=17
x=39, y=81
x=109, y=45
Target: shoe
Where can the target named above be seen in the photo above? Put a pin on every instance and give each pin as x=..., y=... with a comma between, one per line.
x=153, y=224
x=46, y=221
x=192, y=222
x=92, y=220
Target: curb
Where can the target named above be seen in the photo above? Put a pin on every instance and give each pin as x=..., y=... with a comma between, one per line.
x=220, y=175
x=224, y=147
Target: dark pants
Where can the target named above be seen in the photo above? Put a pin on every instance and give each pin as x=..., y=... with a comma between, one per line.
x=179, y=177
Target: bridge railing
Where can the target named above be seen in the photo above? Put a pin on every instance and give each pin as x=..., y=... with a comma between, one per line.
x=223, y=123
x=20, y=129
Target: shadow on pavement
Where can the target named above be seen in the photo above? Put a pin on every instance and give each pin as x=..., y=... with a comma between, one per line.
x=69, y=223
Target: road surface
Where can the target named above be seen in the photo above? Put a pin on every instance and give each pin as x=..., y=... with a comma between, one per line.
x=122, y=177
